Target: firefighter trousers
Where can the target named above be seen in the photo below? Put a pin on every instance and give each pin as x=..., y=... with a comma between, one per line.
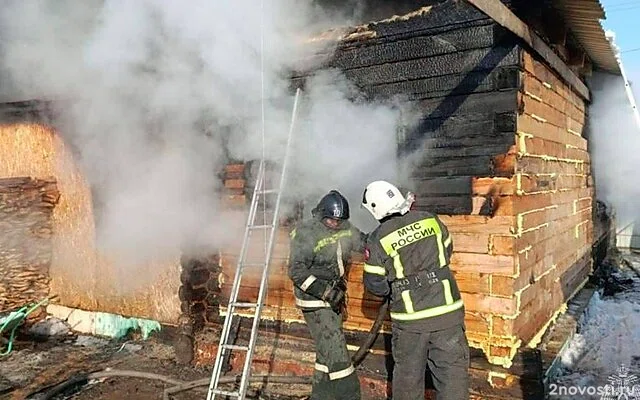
x=334, y=376
x=445, y=353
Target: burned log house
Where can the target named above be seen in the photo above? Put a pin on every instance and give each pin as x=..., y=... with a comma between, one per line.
x=508, y=170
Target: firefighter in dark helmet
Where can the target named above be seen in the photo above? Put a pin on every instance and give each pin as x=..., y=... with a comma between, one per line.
x=320, y=250
x=407, y=258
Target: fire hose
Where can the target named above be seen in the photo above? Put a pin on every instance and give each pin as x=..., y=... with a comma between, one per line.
x=181, y=386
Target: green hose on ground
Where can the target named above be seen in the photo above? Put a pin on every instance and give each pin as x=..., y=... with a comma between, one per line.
x=14, y=320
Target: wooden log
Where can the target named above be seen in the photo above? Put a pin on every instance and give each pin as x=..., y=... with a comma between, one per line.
x=460, y=166
x=550, y=80
x=498, y=79
x=483, y=263
x=477, y=224
x=475, y=106
x=235, y=171
x=473, y=282
x=546, y=255
x=538, y=165
x=461, y=131
x=534, y=88
x=454, y=63
x=544, y=112
x=531, y=320
x=488, y=304
x=392, y=50
x=533, y=146
x=538, y=128
x=522, y=204
x=453, y=205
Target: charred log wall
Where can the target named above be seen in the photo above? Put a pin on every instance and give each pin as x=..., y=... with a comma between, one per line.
x=461, y=73
x=26, y=207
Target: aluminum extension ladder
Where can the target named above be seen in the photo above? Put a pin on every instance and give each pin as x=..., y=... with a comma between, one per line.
x=224, y=347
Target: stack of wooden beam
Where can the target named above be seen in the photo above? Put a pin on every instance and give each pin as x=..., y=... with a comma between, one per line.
x=26, y=207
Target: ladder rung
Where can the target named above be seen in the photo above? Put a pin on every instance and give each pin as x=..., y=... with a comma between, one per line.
x=235, y=347
x=253, y=264
x=268, y=191
x=244, y=305
x=225, y=393
x=261, y=226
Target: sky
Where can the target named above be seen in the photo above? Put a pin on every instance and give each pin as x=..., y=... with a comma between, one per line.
x=622, y=18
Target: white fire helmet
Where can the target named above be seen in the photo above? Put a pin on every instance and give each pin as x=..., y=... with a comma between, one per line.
x=382, y=199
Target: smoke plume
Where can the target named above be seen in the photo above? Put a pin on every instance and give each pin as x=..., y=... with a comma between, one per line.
x=614, y=137
x=156, y=95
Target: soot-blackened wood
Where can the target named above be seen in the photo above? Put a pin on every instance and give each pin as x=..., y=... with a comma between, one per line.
x=447, y=64
x=462, y=166
x=452, y=205
x=448, y=116
x=476, y=138
x=480, y=104
x=448, y=85
x=464, y=130
x=35, y=111
x=441, y=16
x=455, y=185
x=371, y=53
x=453, y=152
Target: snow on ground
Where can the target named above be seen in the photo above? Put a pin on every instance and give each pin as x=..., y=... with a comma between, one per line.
x=606, y=350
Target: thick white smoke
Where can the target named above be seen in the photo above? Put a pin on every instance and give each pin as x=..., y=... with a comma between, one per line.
x=614, y=137
x=141, y=82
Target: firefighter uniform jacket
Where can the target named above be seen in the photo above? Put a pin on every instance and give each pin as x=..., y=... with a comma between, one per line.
x=318, y=257
x=408, y=257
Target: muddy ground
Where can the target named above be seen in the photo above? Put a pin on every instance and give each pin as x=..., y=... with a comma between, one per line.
x=35, y=366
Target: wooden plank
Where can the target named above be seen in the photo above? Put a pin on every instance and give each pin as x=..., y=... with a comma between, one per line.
x=470, y=151
x=234, y=183
x=473, y=282
x=453, y=205
x=477, y=224
x=234, y=200
x=476, y=125
x=545, y=255
x=540, y=129
x=459, y=166
x=533, y=87
x=486, y=134
x=530, y=321
x=549, y=79
x=498, y=79
x=546, y=113
x=490, y=305
x=371, y=53
x=452, y=63
x=537, y=165
x=549, y=229
x=506, y=18
x=479, y=105
x=519, y=204
x=470, y=242
x=483, y=263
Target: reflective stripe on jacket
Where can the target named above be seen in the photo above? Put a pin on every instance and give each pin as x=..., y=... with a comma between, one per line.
x=318, y=256
x=409, y=257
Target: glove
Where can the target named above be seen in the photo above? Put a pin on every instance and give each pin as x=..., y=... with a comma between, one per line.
x=334, y=294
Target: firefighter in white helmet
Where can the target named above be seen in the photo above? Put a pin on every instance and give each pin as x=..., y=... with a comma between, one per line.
x=407, y=258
